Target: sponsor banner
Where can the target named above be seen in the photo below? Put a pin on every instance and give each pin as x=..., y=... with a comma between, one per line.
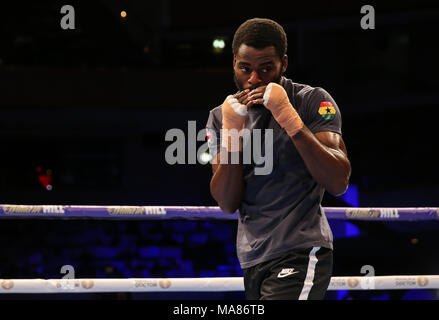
x=214, y=284
x=25, y=210
x=192, y=212
x=384, y=282
x=116, y=212
x=344, y=283
x=388, y=214
x=412, y=282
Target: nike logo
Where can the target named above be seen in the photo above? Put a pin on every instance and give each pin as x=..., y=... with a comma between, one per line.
x=286, y=272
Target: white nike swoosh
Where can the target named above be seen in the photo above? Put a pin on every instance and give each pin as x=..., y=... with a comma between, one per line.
x=283, y=275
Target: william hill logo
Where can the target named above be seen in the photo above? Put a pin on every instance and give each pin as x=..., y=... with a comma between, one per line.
x=114, y=211
x=362, y=213
x=33, y=210
x=365, y=213
x=389, y=213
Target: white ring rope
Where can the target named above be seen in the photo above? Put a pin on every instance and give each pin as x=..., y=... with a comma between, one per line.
x=402, y=282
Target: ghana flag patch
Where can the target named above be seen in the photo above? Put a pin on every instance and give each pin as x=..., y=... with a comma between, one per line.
x=327, y=110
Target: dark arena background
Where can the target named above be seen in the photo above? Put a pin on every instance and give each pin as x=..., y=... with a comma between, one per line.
x=84, y=113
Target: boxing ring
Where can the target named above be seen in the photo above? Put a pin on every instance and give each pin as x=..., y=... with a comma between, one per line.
x=212, y=284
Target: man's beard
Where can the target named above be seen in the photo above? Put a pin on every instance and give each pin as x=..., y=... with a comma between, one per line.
x=241, y=87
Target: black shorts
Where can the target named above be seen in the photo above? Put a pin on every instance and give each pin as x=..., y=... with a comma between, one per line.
x=300, y=275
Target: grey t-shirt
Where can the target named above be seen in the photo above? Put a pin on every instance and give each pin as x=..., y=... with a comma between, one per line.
x=281, y=211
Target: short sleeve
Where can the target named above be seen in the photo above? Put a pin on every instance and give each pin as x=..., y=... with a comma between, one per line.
x=322, y=113
x=213, y=128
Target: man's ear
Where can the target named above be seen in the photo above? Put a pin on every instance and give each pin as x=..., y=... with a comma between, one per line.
x=284, y=63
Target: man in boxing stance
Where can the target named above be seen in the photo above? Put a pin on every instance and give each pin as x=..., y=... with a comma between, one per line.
x=284, y=242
